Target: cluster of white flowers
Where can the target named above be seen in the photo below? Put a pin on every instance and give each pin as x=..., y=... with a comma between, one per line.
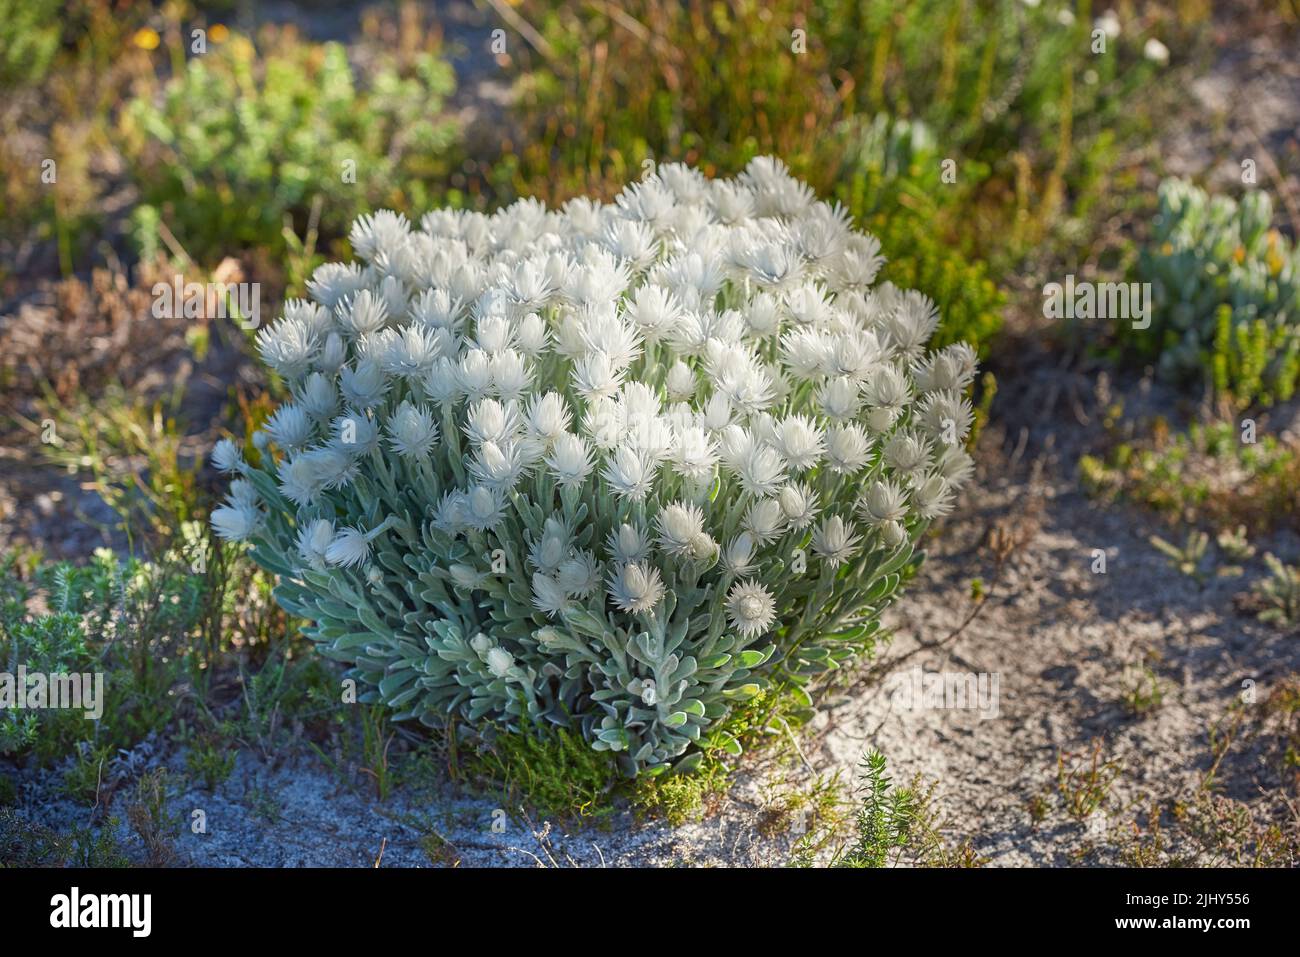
x=592, y=410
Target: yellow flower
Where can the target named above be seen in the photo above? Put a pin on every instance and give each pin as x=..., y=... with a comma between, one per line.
x=146, y=38
x=219, y=33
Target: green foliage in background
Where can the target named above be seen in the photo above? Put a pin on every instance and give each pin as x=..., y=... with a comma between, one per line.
x=242, y=139
x=29, y=38
x=1226, y=295
x=892, y=177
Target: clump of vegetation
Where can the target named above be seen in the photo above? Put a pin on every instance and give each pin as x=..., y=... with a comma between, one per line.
x=244, y=138
x=1188, y=558
x=1204, y=475
x=1279, y=593
x=623, y=540
x=1226, y=290
x=551, y=771
x=892, y=826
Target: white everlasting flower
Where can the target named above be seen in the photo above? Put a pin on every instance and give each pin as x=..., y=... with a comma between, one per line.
x=628, y=544
x=681, y=382
x=498, y=464
x=848, y=447
x=945, y=416
x=226, y=457
x=481, y=508
x=362, y=314
x=290, y=427
x=350, y=547
x=636, y=587
x=412, y=432
x=751, y=609
x=630, y=474
x=548, y=416
x=319, y=396
x=835, y=540
x=801, y=442
x=488, y=420
x=288, y=347
x=738, y=557
x=500, y=662
x=799, y=505
x=884, y=501
x=363, y=385
x=580, y=575
x=679, y=526
x=933, y=496
x=906, y=452
x=552, y=547
x=314, y=540
x=570, y=460
x=235, y=522
x=549, y=595
x=764, y=520
x=761, y=470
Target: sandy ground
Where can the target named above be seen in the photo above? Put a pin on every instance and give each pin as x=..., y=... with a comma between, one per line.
x=1064, y=643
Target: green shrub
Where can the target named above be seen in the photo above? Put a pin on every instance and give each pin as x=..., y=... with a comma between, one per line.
x=1205, y=475
x=139, y=624
x=1013, y=91
x=692, y=541
x=240, y=140
x=891, y=179
x=1226, y=295
x=29, y=38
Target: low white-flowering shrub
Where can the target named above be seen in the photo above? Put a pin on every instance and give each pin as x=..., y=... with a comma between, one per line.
x=616, y=467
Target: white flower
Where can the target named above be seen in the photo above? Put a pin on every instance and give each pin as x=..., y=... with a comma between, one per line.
x=630, y=474
x=636, y=587
x=679, y=525
x=235, y=522
x=760, y=468
x=751, y=609
x=412, y=431
x=288, y=347
x=579, y=575
x=314, y=540
x=738, y=557
x=847, y=448
x=1108, y=23
x=933, y=496
x=628, y=544
x=290, y=427
x=906, y=452
x=885, y=501
x=481, y=508
x=835, y=541
x=500, y=662
x=549, y=595
x=351, y=546
x=801, y=442
x=570, y=460
x=764, y=520
x=226, y=457
x=1155, y=51
x=799, y=504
